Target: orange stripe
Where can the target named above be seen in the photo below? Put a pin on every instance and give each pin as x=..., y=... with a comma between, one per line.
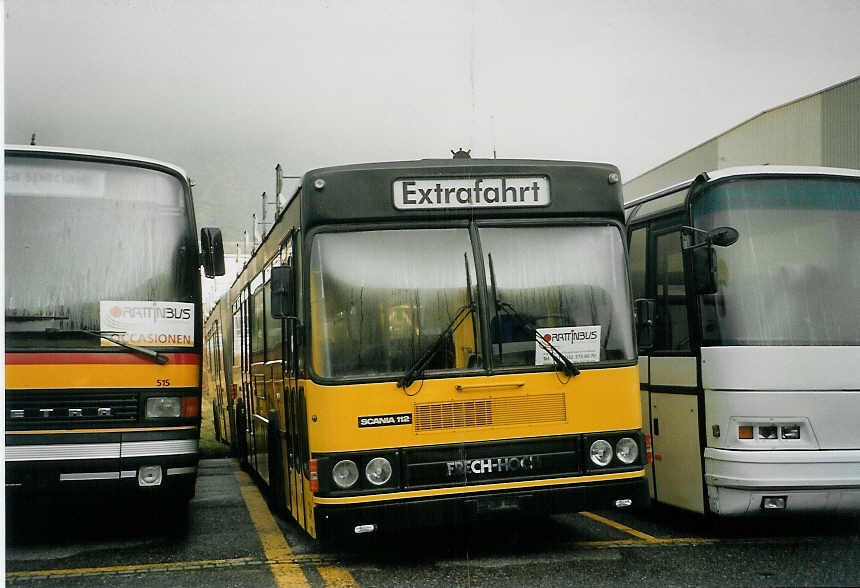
x=95, y=358
x=62, y=376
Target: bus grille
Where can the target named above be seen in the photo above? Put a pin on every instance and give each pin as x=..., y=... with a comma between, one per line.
x=35, y=409
x=491, y=461
x=515, y=410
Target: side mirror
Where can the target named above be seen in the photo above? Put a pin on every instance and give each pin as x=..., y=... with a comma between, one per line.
x=282, y=292
x=645, y=311
x=723, y=236
x=704, y=265
x=703, y=262
x=211, y=252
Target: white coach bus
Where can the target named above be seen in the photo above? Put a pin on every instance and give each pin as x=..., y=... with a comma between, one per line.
x=746, y=284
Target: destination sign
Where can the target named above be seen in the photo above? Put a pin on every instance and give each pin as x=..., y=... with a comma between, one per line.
x=471, y=193
x=45, y=180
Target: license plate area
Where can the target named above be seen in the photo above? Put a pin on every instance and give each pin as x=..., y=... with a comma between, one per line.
x=497, y=504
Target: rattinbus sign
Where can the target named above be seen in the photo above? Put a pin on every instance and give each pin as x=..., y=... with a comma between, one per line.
x=148, y=323
x=490, y=192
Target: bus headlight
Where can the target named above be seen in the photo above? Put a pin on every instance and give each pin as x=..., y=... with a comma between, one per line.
x=627, y=450
x=601, y=452
x=378, y=471
x=345, y=473
x=161, y=407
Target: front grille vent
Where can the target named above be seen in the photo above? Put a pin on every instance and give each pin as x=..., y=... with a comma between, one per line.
x=438, y=466
x=36, y=409
x=514, y=410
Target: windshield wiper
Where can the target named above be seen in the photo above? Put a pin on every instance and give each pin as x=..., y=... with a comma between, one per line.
x=557, y=356
x=559, y=359
x=155, y=356
x=20, y=318
x=418, y=367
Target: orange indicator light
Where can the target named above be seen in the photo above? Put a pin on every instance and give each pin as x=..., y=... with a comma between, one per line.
x=745, y=432
x=190, y=406
x=648, y=451
x=314, y=476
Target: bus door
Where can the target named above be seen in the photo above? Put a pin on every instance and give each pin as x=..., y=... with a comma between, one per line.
x=274, y=382
x=236, y=387
x=293, y=459
x=292, y=429
x=224, y=392
x=247, y=392
x=222, y=433
x=287, y=417
x=674, y=398
x=260, y=406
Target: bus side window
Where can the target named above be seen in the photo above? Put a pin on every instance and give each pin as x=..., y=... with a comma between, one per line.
x=671, y=329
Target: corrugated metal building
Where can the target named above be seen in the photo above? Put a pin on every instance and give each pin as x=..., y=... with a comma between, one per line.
x=820, y=129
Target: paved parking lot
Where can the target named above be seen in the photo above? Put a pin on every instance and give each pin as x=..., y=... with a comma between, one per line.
x=229, y=538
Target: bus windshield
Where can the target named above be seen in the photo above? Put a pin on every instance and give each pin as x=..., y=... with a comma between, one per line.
x=380, y=299
x=566, y=281
x=792, y=277
x=79, y=233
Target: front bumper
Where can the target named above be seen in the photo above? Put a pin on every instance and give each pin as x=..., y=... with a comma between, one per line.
x=333, y=520
x=811, y=481
x=101, y=462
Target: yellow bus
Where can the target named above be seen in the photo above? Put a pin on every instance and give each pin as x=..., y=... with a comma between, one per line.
x=103, y=325
x=419, y=342
x=214, y=384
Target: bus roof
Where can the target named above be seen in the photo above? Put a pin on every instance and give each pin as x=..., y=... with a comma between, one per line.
x=747, y=170
x=367, y=192
x=44, y=149
x=782, y=170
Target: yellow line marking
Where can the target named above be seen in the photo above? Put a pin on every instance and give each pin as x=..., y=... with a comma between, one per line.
x=336, y=576
x=274, y=544
x=642, y=543
x=620, y=527
x=610, y=543
x=687, y=540
x=138, y=567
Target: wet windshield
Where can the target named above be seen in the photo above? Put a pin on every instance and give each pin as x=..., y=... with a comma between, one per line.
x=380, y=299
x=82, y=234
x=568, y=282
x=794, y=274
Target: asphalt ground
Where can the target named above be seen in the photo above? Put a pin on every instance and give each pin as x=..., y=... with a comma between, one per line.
x=228, y=537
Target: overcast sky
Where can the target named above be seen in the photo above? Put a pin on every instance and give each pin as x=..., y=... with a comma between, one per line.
x=227, y=89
